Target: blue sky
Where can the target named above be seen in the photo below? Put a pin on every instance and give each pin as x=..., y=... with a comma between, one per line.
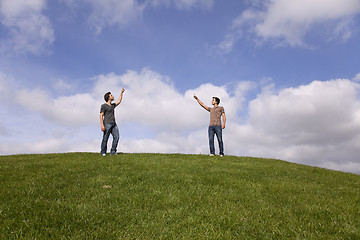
x=287, y=73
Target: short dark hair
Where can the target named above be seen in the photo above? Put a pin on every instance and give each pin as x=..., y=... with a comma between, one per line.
x=217, y=100
x=106, y=96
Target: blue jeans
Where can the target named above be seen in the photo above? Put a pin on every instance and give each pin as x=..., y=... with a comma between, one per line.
x=110, y=128
x=218, y=131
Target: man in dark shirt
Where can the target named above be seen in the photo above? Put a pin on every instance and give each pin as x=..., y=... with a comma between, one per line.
x=108, y=123
x=215, y=126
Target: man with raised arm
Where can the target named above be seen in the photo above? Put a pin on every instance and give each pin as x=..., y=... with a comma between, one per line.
x=108, y=123
x=215, y=126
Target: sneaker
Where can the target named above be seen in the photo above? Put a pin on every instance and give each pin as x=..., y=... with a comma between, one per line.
x=113, y=154
x=211, y=155
x=103, y=154
x=221, y=155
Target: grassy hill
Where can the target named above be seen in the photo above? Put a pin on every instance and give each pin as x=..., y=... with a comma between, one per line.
x=173, y=196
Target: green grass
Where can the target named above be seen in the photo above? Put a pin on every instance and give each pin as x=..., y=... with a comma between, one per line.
x=173, y=196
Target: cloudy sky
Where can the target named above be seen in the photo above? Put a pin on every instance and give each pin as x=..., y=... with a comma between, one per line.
x=287, y=73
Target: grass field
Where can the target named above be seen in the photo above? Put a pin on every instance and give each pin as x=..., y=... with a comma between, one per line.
x=173, y=196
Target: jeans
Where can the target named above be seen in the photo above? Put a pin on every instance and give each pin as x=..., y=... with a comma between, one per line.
x=218, y=131
x=110, y=128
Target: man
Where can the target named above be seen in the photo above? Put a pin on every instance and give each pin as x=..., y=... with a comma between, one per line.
x=215, y=126
x=108, y=124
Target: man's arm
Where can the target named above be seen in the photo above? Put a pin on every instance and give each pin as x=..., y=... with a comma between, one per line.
x=102, y=121
x=201, y=104
x=120, y=98
x=224, y=120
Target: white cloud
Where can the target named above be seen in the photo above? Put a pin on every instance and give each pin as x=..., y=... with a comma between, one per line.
x=152, y=100
x=357, y=78
x=108, y=13
x=4, y=131
x=28, y=29
x=288, y=22
x=184, y=4
x=316, y=124
x=62, y=86
x=236, y=30
x=49, y=145
x=309, y=113
x=70, y=3
x=75, y=110
x=187, y=4
x=3, y=85
x=112, y=12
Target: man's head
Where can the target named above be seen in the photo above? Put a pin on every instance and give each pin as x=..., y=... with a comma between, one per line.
x=216, y=101
x=108, y=96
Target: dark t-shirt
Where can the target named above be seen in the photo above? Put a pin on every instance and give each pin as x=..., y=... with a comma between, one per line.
x=109, y=116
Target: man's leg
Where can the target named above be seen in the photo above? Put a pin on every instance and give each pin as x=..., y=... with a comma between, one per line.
x=218, y=131
x=115, y=134
x=105, y=138
x=211, y=140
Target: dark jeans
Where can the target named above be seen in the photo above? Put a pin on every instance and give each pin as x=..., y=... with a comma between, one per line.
x=110, y=128
x=218, y=131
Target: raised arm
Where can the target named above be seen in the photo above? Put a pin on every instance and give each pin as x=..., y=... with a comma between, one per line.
x=120, y=98
x=201, y=104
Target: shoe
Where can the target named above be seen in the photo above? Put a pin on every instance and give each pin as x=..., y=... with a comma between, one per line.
x=211, y=155
x=112, y=154
x=221, y=155
x=103, y=154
